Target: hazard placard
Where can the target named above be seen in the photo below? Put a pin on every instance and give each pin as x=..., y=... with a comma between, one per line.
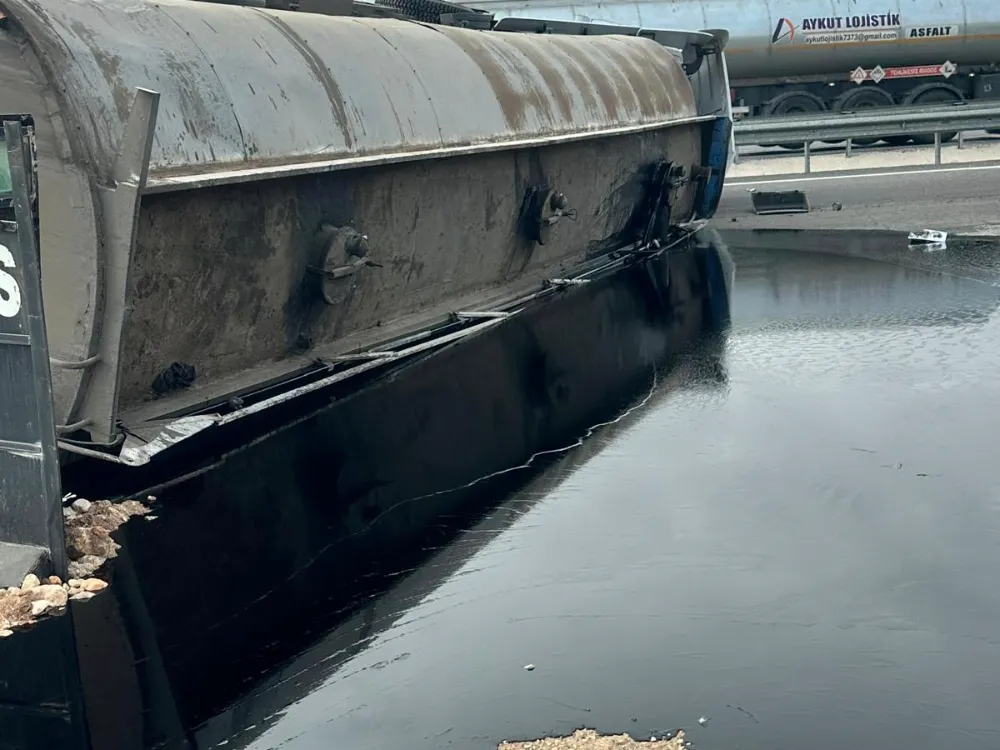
x=877, y=74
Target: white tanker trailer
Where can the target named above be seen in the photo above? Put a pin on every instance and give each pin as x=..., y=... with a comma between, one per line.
x=238, y=205
x=804, y=57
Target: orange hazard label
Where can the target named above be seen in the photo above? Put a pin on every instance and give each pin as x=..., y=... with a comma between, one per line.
x=913, y=71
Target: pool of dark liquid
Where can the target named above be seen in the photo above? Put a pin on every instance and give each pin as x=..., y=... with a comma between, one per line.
x=795, y=535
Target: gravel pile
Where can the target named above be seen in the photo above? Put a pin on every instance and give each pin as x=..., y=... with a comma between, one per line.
x=21, y=606
x=88, y=528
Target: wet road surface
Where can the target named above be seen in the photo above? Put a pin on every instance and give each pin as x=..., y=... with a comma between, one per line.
x=796, y=536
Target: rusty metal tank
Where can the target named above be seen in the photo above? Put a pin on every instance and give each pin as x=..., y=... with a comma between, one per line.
x=778, y=40
x=200, y=165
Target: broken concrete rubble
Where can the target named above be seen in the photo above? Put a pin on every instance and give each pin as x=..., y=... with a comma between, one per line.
x=89, y=546
x=88, y=533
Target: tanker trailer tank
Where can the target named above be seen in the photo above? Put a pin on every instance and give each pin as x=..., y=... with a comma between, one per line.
x=240, y=205
x=810, y=57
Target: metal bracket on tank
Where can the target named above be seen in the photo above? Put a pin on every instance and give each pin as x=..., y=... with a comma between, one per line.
x=343, y=252
x=653, y=221
x=98, y=410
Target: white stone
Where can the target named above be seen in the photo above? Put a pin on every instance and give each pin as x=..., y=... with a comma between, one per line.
x=5, y=633
x=53, y=594
x=94, y=584
x=30, y=581
x=82, y=596
x=81, y=506
x=40, y=607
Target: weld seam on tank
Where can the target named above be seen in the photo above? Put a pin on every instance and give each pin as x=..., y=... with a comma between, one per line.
x=166, y=181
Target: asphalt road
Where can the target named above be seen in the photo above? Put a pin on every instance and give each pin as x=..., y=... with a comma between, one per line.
x=959, y=199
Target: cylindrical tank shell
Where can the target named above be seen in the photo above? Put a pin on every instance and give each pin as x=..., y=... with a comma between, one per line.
x=250, y=86
x=973, y=30
x=250, y=89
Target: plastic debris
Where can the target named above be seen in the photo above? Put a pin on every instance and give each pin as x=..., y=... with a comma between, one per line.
x=928, y=236
x=928, y=240
x=766, y=202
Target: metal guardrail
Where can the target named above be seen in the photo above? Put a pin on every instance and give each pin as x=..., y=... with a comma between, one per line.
x=877, y=123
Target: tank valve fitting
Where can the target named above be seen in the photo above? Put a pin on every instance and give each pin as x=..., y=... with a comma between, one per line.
x=545, y=208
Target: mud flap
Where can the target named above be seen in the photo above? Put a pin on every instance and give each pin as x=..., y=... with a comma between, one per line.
x=715, y=156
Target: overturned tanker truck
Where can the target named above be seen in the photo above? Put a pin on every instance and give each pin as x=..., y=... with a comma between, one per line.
x=237, y=205
x=228, y=195
x=248, y=216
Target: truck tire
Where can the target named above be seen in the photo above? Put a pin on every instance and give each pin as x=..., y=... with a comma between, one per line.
x=928, y=94
x=860, y=99
x=428, y=11
x=793, y=103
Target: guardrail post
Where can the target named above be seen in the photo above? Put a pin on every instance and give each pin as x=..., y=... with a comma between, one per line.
x=850, y=142
x=808, y=165
x=961, y=139
x=937, y=148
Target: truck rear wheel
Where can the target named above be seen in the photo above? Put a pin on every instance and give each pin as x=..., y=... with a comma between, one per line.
x=929, y=94
x=860, y=99
x=793, y=103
